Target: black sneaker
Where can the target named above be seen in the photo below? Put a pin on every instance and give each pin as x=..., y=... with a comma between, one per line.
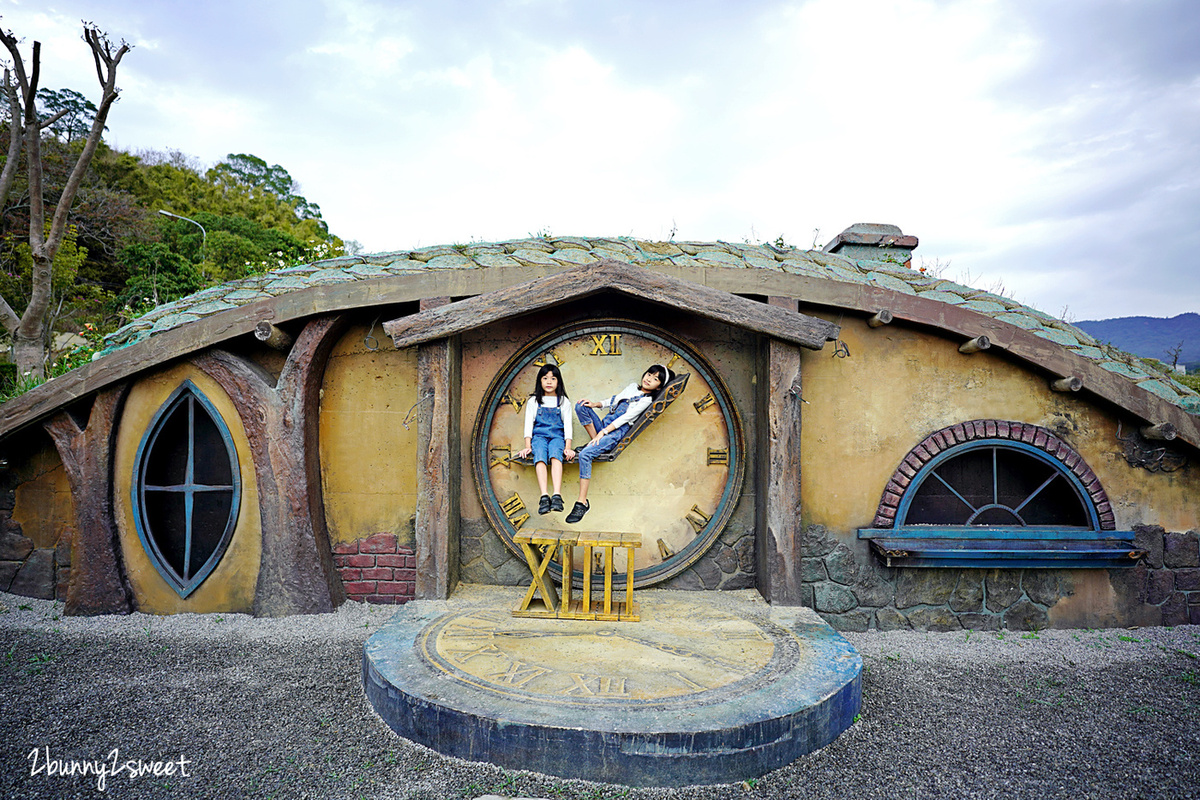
x=578, y=511
x=544, y=504
x=556, y=503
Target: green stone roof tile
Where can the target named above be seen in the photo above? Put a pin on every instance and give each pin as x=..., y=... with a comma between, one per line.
x=533, y=258
x=495, y=260
x=368, y=271
x=1190, y=403
x=1121, y=368
x=656, y=251
x=890, y=282
x=573, y=255
x=1087, y=351
x=243, y=296
x=844, y=273
x=403, y=264
x=302, y=269
x=1056, y=336
x=211, y=307
x=720, y=258
x=340, y=261
x=479, y=248
x=428, y=253
x=616, y=246
x=1021, y=320
x=451, y=261
x=385, y=258
x=942, y=297
x=286, y=284
x=540, y=245
x=606, y=250
x=571, y=242
x=985, y=306
x=801, y=266
x=762, y=263
x=323, y=276
x=687, y=261
x=172, y=321
x=1161, y=389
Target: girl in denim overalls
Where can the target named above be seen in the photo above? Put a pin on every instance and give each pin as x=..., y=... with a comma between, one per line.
x=548, y=433
x=624, y=407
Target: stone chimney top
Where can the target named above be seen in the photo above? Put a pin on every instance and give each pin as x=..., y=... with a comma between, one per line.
x=873, y=241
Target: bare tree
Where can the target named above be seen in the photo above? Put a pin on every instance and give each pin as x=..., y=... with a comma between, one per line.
x=1174, y=353
x=29, y=331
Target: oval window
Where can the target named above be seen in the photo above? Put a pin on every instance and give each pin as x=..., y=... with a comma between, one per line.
x=186, y=489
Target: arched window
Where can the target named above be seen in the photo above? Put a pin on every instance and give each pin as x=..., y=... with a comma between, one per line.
x=186, y=489
x=992, y=493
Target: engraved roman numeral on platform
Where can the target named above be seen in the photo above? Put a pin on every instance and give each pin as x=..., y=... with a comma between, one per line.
x=606, y=344
x=697, y=518
x=514, y=510
x=704, y=402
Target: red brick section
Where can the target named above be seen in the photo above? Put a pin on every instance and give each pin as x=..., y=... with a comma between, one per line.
x=376, y=569
x=1034, y=435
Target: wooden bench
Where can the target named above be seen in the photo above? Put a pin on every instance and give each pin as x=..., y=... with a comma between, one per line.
x=540, y=549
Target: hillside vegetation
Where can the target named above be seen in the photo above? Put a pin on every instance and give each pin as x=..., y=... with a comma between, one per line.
x=1174, y=340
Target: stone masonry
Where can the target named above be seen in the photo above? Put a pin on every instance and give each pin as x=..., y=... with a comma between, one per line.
x=25, y=569
x=376, y=569
x=853, y=592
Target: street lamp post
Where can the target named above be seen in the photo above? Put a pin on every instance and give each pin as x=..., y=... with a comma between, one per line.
x=203, y=233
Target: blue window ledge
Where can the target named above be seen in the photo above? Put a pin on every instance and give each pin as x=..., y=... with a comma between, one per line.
x=1002, y=548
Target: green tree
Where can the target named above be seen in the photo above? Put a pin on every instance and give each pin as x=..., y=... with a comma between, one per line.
x=72, y=113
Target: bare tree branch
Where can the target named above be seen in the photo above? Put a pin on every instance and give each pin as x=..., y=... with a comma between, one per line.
x=9, y=175
x=55, y=118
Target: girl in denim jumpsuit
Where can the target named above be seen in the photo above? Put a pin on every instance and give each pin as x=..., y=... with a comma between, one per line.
x=548, y=433
x=624, y=407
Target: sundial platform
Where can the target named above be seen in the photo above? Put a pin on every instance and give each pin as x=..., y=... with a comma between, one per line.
x=709, y=687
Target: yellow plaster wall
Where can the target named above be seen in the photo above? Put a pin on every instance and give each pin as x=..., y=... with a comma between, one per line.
x=43, y=498
x=368, y=456
x=230, y=586
x=863, y=413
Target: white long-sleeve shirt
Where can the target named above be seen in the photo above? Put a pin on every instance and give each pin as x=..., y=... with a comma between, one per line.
x=639, y=403
x=565, y=408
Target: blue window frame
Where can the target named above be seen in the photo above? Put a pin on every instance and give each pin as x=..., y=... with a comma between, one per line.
x=998, y=503
x=186, y=489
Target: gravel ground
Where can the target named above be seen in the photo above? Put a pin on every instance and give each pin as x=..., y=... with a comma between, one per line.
x=275, y=708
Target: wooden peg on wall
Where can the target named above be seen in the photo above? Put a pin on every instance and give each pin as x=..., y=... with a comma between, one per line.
x=975, y=345
x=884, y=317
x=1071, y=383
x=265, y=332
x=1163, y=432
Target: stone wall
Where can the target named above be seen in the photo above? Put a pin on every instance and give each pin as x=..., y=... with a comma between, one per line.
x=377, y=569
x=25, y=569
x=853, y=592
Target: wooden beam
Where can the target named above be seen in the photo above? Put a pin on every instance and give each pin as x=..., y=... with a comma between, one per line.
x=978, y=344
x=1071, y=383
x=591, y=279
x=272, y=336
x=1162, y=432
x=777, y=483
x=439, y=374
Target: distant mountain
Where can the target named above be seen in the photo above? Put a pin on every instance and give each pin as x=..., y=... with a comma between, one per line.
x=1151, y=337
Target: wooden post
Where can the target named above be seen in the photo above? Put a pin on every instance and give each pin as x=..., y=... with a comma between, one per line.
x=98, y=582
x=777, y=484
x=439, y=371
x=975, y=345
x=1070, y=383
x=274, y=337
x=884, y=317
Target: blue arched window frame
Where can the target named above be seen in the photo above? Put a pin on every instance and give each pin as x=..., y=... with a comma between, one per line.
x=903, y=544
x=187, y=393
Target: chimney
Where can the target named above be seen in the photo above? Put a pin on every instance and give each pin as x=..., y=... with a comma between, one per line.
x=873, y=242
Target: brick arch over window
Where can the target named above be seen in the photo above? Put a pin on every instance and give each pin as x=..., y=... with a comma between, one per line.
x=995, y=429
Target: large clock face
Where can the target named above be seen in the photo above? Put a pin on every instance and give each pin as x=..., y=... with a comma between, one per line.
x=675, y=483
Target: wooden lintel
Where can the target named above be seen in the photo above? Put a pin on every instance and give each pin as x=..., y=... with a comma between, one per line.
x=591, y=279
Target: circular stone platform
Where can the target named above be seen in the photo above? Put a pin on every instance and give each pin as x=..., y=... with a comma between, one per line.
x=710, y=687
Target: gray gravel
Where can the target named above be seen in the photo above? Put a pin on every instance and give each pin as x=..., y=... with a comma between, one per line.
x=275, y=708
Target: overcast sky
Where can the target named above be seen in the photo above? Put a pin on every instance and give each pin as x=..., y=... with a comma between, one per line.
x=1050, y=148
